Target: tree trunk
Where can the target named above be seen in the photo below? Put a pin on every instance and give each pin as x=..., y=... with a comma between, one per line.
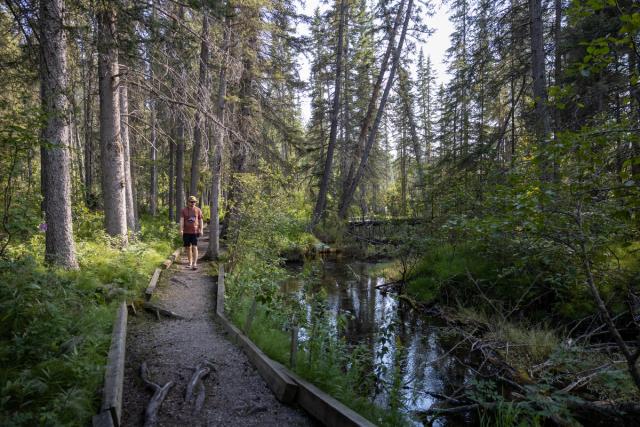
x=347, y=198
x=324, y=184
x=88, y=130
x=365, y=125
x=213, y=251
x=153, y=149
x=59, y=244
x=179, y=188
x=203, y=96
x=415, y=141
x=111, y=149
x=171, y=195
x=124, y=131
x=542, y=122
x=153, y=172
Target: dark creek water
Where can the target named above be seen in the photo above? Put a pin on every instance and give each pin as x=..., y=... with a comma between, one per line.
x=416, y=347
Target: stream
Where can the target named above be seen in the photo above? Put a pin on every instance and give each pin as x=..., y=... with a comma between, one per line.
x=424, y=353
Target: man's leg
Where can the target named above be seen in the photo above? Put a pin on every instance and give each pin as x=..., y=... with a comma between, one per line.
x=189, y=255
x=195, y=255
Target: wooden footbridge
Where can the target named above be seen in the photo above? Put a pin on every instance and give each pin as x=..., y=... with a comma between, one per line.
x=382, y=231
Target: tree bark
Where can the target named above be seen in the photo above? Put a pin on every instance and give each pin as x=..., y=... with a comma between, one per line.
x=347, y=198
x=179, y=188
x=213, y=250
x=88, y=128
x=171, y=195
x=324, y=184
x=542, y=121
x=203, y=95
x=415, y=141
x=348, y=191
x=124, y=131
x=153, y=150
x=59, y=244
x=111, y=149
x=180, y=132
x=153, y=172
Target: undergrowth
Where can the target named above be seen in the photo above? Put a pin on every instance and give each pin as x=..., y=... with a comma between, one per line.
x=55, y=327
x=270, y=222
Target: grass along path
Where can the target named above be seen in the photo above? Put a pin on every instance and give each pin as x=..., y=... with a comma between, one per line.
x=235, y=394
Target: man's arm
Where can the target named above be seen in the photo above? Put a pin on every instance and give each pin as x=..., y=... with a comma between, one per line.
x=181, y=224
x=201, y=229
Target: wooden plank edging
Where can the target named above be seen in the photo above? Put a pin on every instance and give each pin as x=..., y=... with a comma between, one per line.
x=282, y=386
x=114, y=372
x=323, y=407
x=153, y=283
x=287, y=386
x=220, y=291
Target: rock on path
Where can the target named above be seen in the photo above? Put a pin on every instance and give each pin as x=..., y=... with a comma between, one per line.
x=236, y=395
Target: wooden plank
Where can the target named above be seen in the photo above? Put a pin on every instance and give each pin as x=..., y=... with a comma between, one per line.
x=323, y=407
x=283, y=387
x=103, y=419
x=114, y=373
x=220, y=291
x=153, y=283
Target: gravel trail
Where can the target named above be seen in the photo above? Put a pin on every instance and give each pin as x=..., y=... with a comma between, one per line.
x=236, y=395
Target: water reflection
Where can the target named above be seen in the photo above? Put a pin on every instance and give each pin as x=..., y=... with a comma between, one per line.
x=399, y=340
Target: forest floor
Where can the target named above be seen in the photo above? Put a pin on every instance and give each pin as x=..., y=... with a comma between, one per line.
x=235, y=394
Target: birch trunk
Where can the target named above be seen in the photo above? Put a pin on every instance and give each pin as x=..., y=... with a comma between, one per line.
x=59, y=244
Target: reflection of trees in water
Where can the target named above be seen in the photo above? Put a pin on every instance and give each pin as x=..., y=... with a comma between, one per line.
x=417, y=347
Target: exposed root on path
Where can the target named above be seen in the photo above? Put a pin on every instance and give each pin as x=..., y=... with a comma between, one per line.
x=157, y=310
x=196, y=384
x=179, y=282
x=159, y=394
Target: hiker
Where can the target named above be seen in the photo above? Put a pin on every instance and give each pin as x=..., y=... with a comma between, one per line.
x=191, y=225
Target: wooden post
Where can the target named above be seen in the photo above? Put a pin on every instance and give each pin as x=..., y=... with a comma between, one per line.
x=250, y=316
x=220, y=295
x=294, y=347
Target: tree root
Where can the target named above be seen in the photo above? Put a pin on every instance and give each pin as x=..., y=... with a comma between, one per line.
x=159, y=394
x=179, y=282
x=157, y=310
x=196, y=385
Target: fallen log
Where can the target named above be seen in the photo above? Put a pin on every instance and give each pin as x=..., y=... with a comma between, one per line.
x=157, y=310
x=159, y=394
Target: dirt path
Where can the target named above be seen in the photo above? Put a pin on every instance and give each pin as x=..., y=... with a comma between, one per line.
x=235, y=393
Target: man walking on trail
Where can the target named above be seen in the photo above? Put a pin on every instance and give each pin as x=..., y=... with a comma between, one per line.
x=191, y=225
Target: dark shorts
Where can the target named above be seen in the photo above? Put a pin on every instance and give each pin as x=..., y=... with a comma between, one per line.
x=190, y=239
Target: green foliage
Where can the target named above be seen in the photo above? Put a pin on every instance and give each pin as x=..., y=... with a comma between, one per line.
x=55, y=327
x=270, y=221
x=53, y=342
